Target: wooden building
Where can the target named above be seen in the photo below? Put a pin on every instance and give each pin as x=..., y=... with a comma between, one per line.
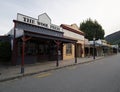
x=37, y=40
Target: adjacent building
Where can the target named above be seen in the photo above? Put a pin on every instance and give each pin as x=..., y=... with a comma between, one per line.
x=102, y=48
x=72, y=31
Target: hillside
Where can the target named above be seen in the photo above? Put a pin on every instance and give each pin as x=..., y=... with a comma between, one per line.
x=114, y=38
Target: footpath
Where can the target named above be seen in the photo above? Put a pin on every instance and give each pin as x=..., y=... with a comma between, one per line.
x=12, y=72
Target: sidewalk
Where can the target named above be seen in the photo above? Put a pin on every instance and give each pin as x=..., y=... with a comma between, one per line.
x=12, y=72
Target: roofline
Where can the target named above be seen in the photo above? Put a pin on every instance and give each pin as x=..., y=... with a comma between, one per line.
x=37, y=26
x=71, y=29
x=64, y=39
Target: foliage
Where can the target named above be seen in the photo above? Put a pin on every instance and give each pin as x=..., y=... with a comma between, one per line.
x=5, y=51
x=92, y=29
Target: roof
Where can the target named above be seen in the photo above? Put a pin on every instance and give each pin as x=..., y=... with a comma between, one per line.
x=73, y=27
x=38, y=35
x=41, y=32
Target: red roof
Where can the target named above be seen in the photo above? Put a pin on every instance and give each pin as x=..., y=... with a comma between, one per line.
x=72, y=29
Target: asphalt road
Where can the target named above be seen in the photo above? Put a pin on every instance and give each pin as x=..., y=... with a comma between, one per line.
x=99, y=76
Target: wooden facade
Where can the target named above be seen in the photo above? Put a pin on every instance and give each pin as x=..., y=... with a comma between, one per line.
x=34, y=43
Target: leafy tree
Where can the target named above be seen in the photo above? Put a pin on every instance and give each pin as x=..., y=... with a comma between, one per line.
x=92, y=29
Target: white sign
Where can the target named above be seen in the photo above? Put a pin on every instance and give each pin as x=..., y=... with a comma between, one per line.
x=37, y=22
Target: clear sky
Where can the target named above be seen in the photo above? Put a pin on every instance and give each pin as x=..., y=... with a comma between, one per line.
x=106, y=12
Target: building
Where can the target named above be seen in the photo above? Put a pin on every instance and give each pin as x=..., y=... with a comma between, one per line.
x=115, y=48
x=37, y=40
x=5, y=38
x=5, y=49
x=87, y=48
x=102, y=48
x=73, y=32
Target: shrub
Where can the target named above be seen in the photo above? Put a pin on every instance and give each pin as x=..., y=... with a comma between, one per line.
x=5, y=51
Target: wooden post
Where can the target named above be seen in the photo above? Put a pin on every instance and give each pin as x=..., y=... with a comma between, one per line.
x=23, y=49
x=57, y=63
x=58, y=44
x=89, y=51
x=24, y=39
x=75, y=52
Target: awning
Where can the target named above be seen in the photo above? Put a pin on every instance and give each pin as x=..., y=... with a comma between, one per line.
x=40, y=32
x=63, y=39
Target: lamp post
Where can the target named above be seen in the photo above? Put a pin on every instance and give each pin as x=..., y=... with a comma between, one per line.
x=93, y=47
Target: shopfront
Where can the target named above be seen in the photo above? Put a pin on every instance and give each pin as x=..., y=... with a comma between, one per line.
x=39, y=50
x=73, y=32
x=37, y=40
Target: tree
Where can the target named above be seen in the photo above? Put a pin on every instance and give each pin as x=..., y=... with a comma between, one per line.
x=92, y=29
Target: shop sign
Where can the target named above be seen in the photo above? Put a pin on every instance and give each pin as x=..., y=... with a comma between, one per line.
x=33, y=21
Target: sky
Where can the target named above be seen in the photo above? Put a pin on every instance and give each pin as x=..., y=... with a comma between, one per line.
x=106, y=12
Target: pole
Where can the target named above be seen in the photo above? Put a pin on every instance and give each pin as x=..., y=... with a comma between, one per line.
x=57, y=63
x=75, y=53
x=23, y=49
x=24, y=39
x=93, y=48
x=89, y=51
x=57, y=43
x=14, y=46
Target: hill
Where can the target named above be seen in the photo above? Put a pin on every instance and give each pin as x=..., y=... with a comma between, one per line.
x=113, y=38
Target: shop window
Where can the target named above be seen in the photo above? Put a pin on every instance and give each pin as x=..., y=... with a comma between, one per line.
x=43, y=49
x=30, y=48
x=69, y=48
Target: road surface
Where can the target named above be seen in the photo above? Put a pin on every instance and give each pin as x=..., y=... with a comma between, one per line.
x=100, y=76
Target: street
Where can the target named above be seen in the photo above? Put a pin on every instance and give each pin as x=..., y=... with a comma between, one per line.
x=100, y=76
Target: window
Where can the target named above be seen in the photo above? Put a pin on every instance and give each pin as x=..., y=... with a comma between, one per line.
x=69, y=48
x=31, y=48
